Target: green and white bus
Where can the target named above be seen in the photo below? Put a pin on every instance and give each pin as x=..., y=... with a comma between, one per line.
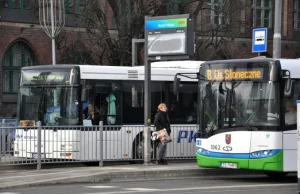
x=247, y=114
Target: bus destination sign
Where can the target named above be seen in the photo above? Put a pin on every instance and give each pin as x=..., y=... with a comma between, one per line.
x=30, y=77
x=234, y=74
x=48, y=77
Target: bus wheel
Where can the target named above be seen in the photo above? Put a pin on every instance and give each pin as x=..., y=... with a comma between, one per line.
x=273, y=174
x=138, y=148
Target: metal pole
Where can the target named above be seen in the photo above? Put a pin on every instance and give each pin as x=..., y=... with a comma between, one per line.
x=133, y=50
x=298, y=141
x=52, y=13
x=53, y=52
x=39, y=146
x=101, y=143
x=147, y=108
x=277, y=30
x=53, y=32
x=3, y=134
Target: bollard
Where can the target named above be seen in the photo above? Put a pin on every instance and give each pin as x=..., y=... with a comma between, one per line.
x=147, y=146
x=39, y=146
x=298, y=142
x=101, y=143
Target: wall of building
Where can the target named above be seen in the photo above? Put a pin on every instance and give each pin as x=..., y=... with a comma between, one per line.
x=36, y=39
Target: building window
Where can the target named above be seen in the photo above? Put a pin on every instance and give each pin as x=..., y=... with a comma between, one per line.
x=262, y=13
x=76, y=6
x=15, y=4
x=17, y=56
x=296, y=18
x=19, y=4
x=217, y=11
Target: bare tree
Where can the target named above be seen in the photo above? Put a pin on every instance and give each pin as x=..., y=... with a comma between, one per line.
x=114, y=44
x=221, y=23
x=218, y=23
x=72, y=49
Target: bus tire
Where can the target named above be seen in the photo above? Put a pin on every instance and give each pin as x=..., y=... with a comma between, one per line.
x=138, y=148
x=273, y=174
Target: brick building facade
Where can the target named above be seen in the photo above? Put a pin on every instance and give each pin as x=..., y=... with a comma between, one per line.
x=23, y=42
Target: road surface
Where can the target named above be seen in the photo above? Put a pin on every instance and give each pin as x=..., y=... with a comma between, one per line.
x=250, y=184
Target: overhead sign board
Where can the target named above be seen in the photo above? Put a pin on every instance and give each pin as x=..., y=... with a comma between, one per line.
x=168, y=35
x=259, y=40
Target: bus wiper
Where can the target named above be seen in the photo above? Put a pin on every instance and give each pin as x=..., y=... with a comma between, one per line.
x=245, y=122
x=214, y=121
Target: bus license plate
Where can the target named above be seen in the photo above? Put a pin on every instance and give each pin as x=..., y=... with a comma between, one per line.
x=228, y=165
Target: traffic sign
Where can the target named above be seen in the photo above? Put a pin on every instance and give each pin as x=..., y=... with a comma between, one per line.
x=259, y=40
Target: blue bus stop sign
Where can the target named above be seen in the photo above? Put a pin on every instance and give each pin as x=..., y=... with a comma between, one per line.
x=259, y=40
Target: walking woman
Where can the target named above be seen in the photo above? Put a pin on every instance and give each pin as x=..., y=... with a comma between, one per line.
x=162, y=121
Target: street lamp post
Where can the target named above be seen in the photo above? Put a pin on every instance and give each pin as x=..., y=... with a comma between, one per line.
x=52, y=20
x=277, y=30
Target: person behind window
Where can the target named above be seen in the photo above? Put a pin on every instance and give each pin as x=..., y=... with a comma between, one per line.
x=111, y=112
x=91, y=113
x=192, y=113
x=162, y=121
x=291, y=113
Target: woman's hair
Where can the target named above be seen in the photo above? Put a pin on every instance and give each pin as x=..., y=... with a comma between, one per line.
x=160, y=106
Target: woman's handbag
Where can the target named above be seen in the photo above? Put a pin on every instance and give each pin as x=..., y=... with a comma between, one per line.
x=162, y=136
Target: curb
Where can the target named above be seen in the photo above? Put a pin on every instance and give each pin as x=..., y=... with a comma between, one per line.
x=143, y=175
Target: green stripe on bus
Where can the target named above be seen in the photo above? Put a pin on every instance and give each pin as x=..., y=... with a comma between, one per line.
x=274, y=163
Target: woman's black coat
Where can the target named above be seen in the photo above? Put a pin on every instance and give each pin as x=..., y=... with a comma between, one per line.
x=161, y=121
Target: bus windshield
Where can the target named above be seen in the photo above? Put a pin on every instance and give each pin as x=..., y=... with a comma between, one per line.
x=55, y=105
x=238, y=105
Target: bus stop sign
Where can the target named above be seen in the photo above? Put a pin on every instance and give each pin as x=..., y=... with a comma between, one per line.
x=259, y=40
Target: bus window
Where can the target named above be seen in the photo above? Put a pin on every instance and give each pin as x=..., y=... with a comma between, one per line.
x=184, y=109
x=133, y=103
x=29, y=102
x=290, y=107
x=156, y=97
x=106, y=103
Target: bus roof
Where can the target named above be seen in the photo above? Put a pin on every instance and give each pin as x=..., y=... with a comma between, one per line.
x=159, y=70
x=293, y=65
x=177, y=64
x=255, y=59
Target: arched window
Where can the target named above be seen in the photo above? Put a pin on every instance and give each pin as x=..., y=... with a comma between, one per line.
x=18, y=55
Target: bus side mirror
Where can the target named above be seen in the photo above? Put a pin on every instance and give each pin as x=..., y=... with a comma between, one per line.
x=84, y=94
x=288, y=87
x=176, y=84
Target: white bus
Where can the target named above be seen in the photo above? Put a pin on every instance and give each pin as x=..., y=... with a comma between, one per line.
x=247, y=114
x=59, y=96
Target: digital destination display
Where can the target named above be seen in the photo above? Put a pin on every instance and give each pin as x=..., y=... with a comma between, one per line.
x=166, y=36
x=63, y=77
x=234, y=74
x=166, y=24
x=48, y=77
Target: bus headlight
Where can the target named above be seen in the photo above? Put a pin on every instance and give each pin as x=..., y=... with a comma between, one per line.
x=264, y=153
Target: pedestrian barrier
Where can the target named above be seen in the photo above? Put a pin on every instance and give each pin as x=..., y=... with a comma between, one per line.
x=7, y=135
x=66, y=144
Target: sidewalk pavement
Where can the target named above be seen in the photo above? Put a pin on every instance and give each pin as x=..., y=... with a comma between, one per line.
x=132, y=172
